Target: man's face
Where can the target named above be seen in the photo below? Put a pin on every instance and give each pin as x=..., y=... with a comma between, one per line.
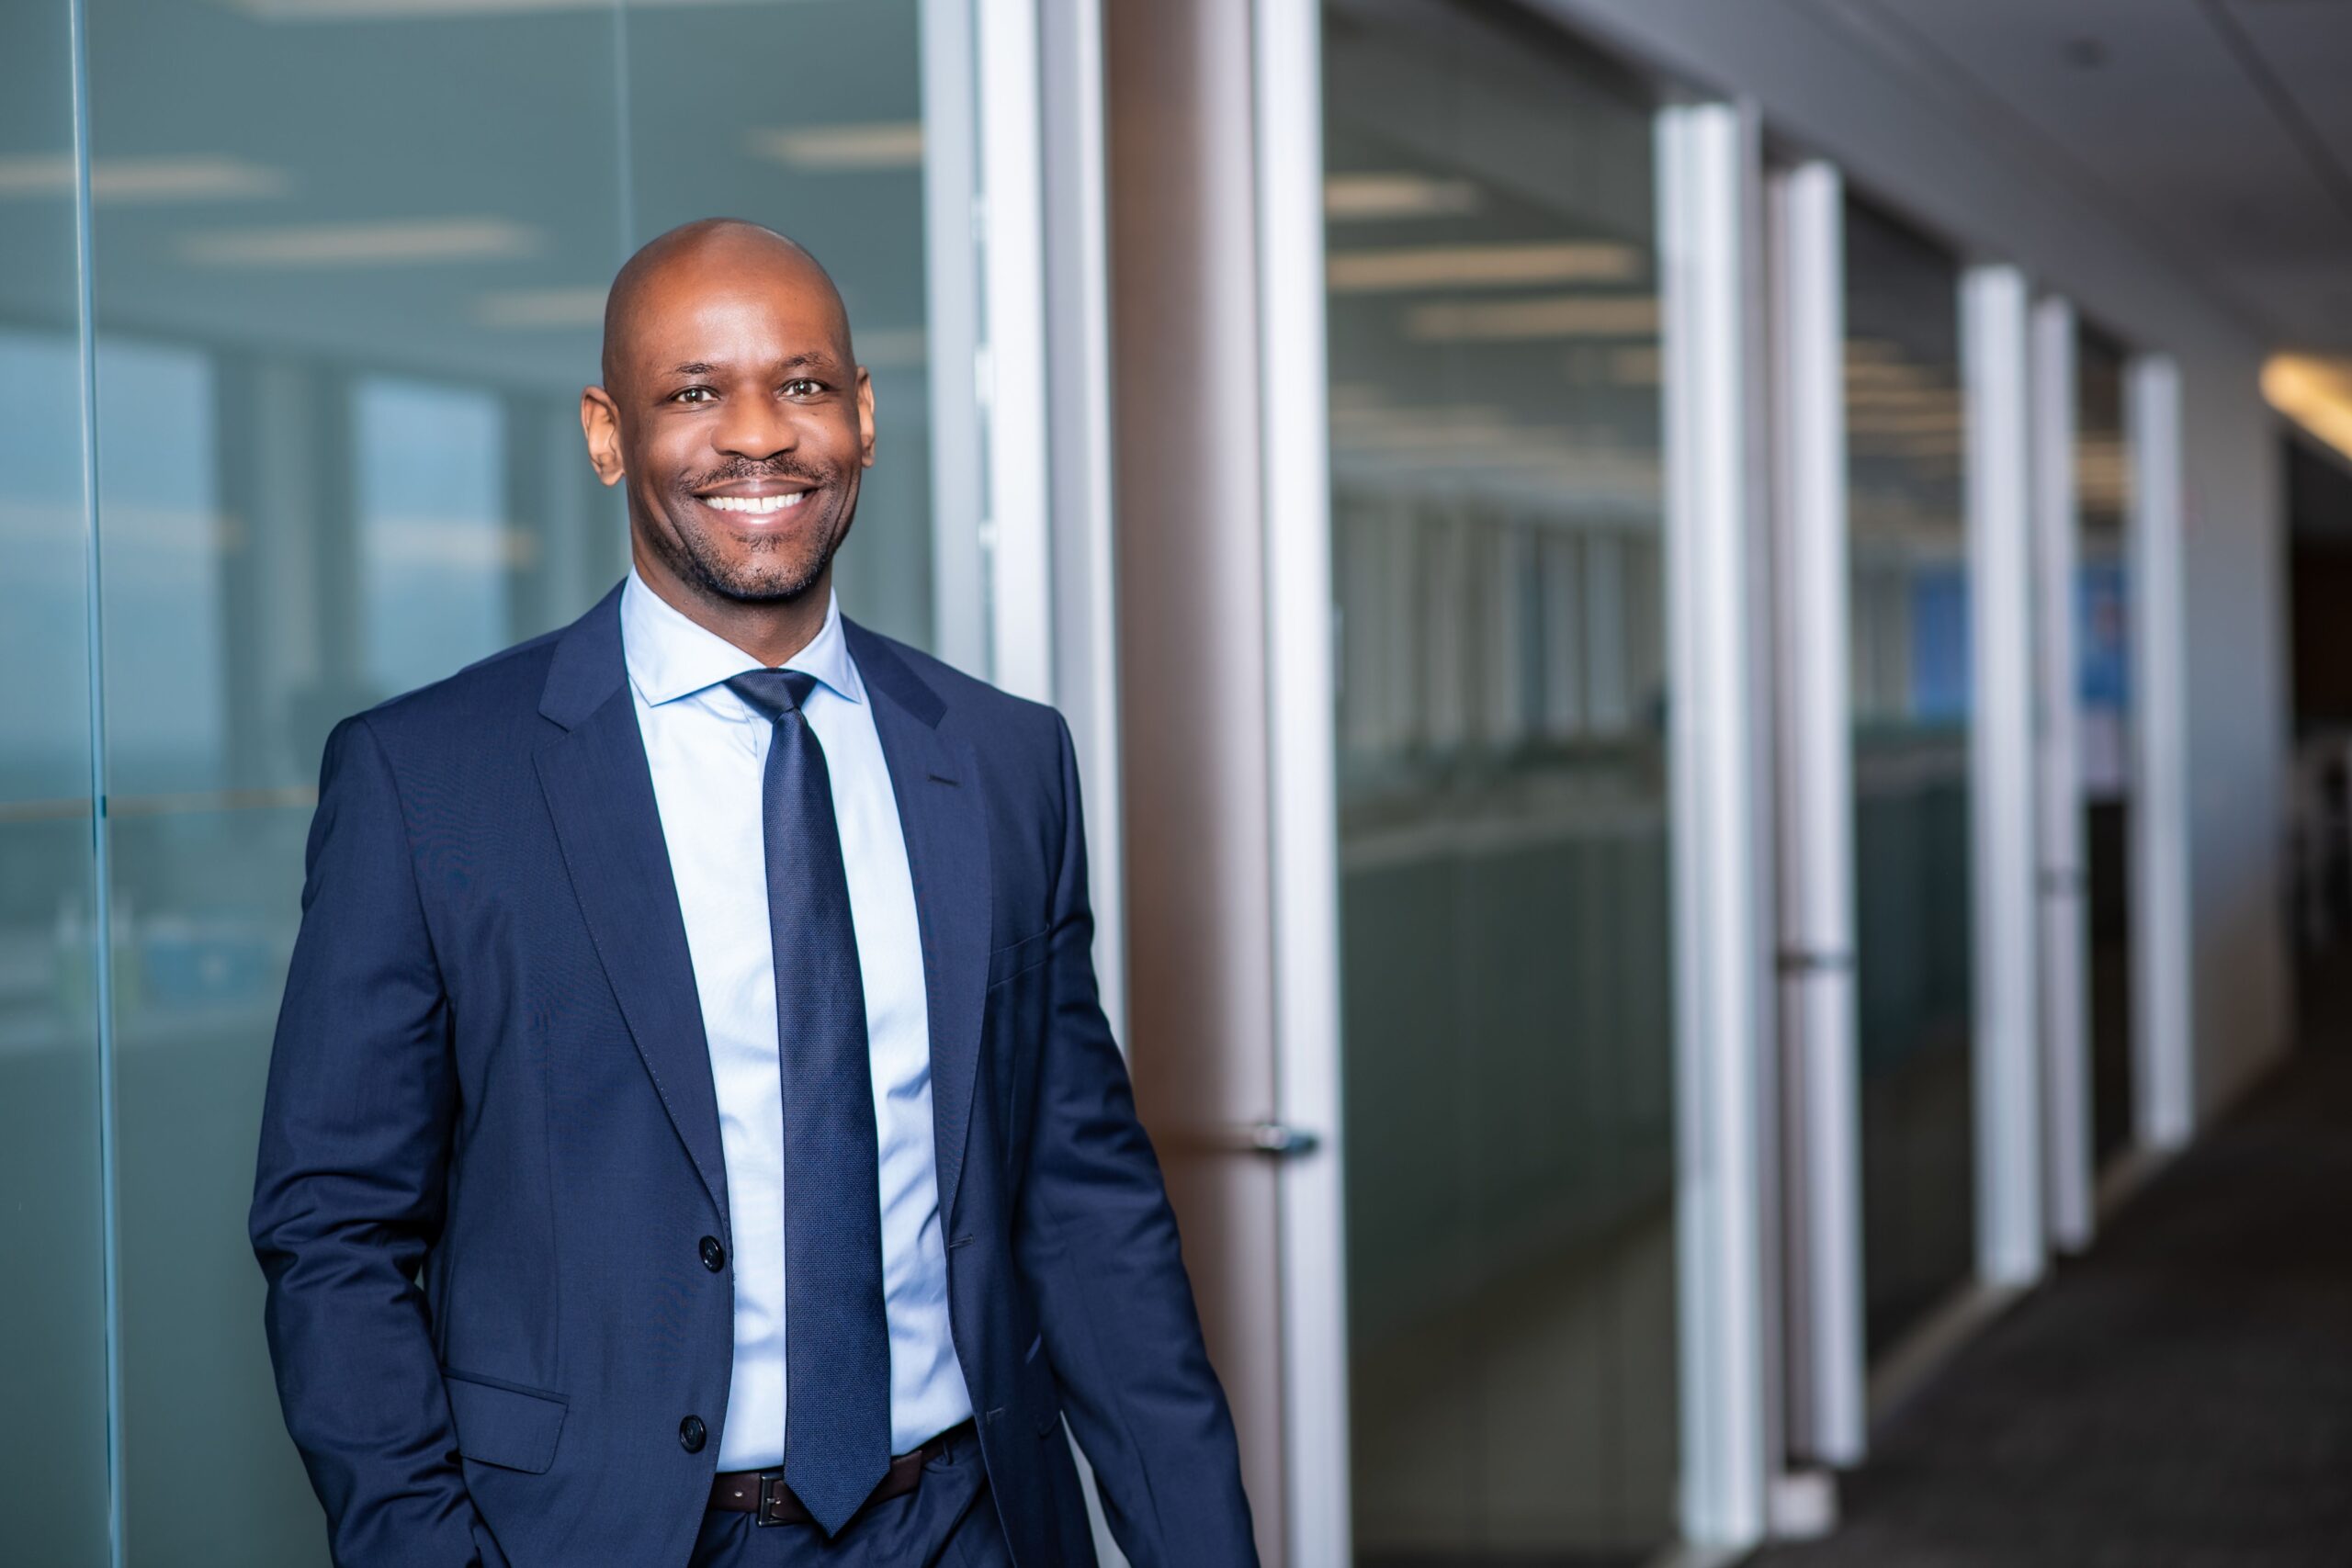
x=739, y=421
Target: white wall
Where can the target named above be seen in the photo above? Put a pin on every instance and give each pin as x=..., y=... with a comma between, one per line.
x=1916, y=142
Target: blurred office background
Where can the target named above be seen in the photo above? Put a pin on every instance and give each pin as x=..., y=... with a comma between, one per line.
x=1707, y=638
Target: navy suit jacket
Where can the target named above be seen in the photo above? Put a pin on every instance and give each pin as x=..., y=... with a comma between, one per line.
x=490, y=1148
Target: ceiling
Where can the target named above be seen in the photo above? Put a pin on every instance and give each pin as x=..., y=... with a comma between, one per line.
x=2221, y=130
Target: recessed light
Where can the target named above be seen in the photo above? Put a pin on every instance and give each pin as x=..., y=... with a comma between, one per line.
x=879, y=144
x=399, y=242
x=189, y=177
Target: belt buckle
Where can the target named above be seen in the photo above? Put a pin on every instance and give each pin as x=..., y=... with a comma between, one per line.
x=773, y=1492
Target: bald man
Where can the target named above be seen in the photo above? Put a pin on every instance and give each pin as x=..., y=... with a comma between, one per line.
x=692, y=1135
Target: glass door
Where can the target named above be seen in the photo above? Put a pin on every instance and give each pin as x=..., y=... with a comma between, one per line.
x=1504, y=899
x=2102, y=646
x=1909, y=598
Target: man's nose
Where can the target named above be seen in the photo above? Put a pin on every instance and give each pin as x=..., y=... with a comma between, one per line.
x=755, y=428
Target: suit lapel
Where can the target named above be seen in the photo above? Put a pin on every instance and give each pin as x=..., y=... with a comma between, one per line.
x=940, y=813
x=600, y=792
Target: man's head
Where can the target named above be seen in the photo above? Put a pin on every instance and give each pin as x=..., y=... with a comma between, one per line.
x=732, y=406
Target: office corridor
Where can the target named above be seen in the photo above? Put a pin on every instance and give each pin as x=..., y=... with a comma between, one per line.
x=2181, y=1397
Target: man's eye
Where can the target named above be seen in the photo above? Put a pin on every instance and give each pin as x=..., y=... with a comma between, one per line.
x=802, y=387
x=692, y=395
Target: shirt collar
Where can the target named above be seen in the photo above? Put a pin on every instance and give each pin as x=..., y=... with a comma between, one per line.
x=669, y=656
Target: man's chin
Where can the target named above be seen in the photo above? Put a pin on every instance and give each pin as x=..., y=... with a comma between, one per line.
x=758, y=583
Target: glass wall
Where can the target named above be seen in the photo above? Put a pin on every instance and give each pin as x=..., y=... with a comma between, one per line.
x=52, y=1221
x=2103, y=648
x=348, y=264
x=1504, y=903
x=1909, y=593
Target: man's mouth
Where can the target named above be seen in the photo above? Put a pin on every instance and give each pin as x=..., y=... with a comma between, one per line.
x=755, y=506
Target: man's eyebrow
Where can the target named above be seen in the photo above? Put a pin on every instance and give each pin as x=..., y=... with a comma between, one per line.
x=813, y=359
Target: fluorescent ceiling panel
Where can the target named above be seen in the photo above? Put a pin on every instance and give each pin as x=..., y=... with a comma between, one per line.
x=194, y=177
x=394, y=10
x=828, y=148
x=1507, y=321
x=402, y=242
x=1482, y=266
x=541, y=309
x=1361, y=197
x=888, y=348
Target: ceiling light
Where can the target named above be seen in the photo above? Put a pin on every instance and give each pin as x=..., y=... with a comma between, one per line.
x=1357, y=198
x=1567, y=316
x=2315, y=392
x=397, y=243
x=188, y=178
x=1482, y=266
x=890, y=349
x=393, y=10
x=542, y=308
x=881, y=144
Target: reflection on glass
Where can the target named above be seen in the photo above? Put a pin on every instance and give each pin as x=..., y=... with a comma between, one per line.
x=434, y=552
x=1913, y=711
x=1502, y=795
x=52, y=1223
x=350, y=264
x=2103, y=649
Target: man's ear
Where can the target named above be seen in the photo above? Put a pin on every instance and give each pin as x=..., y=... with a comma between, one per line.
x=600, y=422
x=865, y=418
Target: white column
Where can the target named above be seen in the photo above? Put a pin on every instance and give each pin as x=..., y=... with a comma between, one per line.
x=1305, y=874
x=1012, y=374
x=2162, y=956
x=1823, y=1109
x=1083, y=647
x=1708, y=162
x=2009, y=1071
x=2064, y=911
x=951, y=334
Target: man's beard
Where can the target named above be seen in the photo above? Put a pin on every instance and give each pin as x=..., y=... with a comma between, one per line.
x=779, y=568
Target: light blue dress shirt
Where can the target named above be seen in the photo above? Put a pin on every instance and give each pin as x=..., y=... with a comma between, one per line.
x=706, y=748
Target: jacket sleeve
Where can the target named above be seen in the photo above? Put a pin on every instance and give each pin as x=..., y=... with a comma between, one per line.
x=1096, y=1243
x=348, y=1188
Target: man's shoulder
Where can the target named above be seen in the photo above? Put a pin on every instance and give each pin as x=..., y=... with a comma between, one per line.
x=983, y=712
x=480, y=700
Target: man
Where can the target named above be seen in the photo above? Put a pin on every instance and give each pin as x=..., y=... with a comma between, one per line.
x=692, y=1135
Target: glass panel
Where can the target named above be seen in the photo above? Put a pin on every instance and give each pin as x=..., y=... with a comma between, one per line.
x=1909, y=588
x=2103, y=645
x=349, y=265
x=1496, y=512
x=837, y=163
x=52, y=1319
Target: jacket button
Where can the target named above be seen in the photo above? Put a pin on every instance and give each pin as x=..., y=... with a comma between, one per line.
x=691, y=1434
x=714, y=1257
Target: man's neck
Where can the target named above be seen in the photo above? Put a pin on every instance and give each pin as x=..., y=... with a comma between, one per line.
x=770, y=633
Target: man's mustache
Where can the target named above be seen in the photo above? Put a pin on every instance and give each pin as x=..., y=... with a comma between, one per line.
x=746, y=473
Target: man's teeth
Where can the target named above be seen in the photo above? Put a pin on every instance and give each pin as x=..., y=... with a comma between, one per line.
x=754, y=503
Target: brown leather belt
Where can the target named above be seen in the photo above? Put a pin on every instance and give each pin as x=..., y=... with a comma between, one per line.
x=763, y=1492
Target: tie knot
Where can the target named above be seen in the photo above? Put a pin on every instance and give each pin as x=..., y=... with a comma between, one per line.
x=772, y=692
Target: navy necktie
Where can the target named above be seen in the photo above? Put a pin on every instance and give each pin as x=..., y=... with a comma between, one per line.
x=836, y=1339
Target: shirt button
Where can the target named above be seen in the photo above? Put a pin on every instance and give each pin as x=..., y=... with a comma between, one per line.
x=714, y=1257
x=691, y=1433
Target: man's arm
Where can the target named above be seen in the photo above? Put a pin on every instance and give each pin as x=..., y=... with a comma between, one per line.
x=1097, y=1243
x=348, y=1195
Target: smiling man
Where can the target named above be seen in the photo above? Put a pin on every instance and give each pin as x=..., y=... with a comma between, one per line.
x=691, y=1134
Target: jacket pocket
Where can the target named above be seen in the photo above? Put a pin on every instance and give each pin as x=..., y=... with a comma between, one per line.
x=512, y=1428
x=1017, y=958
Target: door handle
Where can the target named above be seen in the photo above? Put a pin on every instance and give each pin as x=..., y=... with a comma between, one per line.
x=1278, y=1139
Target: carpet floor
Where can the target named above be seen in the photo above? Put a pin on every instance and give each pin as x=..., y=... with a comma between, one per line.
x=2179, y=1397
